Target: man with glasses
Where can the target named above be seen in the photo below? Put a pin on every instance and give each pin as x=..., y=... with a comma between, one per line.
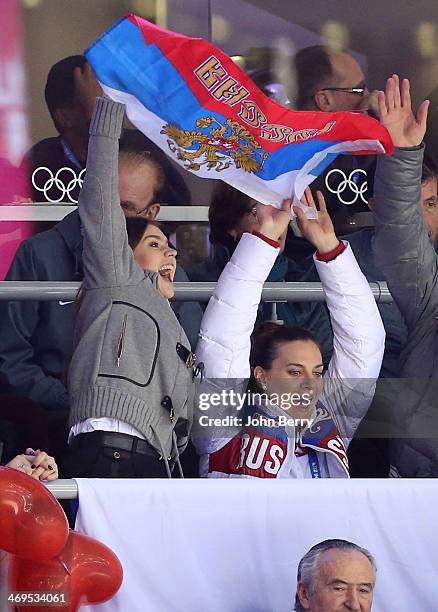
x=333, y=81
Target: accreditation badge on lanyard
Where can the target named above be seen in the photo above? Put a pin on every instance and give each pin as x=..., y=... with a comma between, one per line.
x=314, y=463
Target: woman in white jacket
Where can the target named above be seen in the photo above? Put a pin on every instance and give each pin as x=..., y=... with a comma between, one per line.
x=297, y=424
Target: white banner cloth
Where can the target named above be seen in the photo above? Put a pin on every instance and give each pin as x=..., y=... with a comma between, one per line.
x=234, y=545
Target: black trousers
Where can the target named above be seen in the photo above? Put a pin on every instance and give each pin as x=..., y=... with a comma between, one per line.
x=89, y=457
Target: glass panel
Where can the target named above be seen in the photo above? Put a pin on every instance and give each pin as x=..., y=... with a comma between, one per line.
x=39, y=33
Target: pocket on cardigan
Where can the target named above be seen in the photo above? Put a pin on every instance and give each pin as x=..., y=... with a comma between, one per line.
x=131, y=344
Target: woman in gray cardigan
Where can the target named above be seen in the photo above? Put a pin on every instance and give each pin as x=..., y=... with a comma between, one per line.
x=130, y=378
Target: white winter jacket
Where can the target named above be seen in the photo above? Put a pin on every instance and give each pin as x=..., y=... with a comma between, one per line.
x=230, y=448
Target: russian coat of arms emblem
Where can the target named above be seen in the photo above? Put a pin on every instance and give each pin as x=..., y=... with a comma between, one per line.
x=217, y=148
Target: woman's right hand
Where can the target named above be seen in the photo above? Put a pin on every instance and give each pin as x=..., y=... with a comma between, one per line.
x=395, y=112
x=274, y=221
x=21, y=463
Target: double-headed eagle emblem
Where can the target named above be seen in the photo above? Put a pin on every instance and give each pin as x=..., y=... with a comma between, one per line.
x=217, y=149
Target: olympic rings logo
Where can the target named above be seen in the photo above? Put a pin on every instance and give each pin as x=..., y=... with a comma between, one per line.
x=65, y=189
x=348, y=182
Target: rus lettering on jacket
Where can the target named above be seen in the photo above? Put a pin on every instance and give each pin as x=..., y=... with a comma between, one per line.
x=260, y=456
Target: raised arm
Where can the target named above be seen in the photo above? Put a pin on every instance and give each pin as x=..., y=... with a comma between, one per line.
x=107, y=257
x=358, y=342
x=358, y=332
x=224, y=340
x=224, y=345
x=402, y=245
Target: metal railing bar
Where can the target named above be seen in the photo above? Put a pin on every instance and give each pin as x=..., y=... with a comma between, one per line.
x=200, y=292
x=63, y=488
x=55, y=212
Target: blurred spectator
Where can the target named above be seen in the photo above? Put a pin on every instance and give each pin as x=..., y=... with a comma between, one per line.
x=70, y=100
x=431, y=136
x=369, y=456
x=362, y=243
x=36, y=338
x=406, y=253
x=270, y=84
x=231, y=214
x=332, y=81
x=269, y=69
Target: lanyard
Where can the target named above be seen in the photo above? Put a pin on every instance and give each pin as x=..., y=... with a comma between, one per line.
x=314, y=463
x=70, y=155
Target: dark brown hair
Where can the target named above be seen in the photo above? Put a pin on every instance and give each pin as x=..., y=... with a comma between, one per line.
x=313, y=70
x=227, y=207
x=269, y=336
x=265, y=342
x=429, y=169
x=60, y=87
x=136, y=227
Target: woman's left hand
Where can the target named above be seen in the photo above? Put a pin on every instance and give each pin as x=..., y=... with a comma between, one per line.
x=320, y=231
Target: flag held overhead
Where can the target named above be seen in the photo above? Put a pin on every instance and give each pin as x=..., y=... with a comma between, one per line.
x=198, y=106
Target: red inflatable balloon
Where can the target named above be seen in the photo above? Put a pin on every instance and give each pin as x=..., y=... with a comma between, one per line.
x=32, y=523
x=86, y=571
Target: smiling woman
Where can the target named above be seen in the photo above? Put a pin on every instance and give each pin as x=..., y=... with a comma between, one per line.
x=152, y=252
x=130, y=379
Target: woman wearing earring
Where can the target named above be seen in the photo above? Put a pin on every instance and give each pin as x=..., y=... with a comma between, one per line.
x=289, y=422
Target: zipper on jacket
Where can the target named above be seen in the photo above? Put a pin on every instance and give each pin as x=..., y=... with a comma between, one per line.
x=121, y=341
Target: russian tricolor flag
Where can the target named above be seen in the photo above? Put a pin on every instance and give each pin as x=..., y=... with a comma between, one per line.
x=206, y=114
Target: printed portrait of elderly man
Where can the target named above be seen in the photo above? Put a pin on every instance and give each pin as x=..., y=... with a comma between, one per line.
x=334, y=576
